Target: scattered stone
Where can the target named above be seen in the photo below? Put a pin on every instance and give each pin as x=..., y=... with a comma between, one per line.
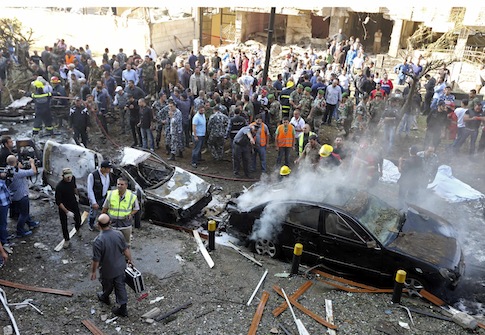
x=39, y=245
x=150, y=321
x=104, y=317
x=7, y=330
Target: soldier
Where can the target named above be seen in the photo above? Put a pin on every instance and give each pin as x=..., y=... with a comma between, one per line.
x=95, y=74
x=376, y=108
x=176, y=131
x=295, y=98
x=160, y=110
x=316, y=113
x=211, y=83
x=149, y=78
x=79, y=121
x=275, y=115
x=346, y=112
x=216, y=129
x=360, y=118
x=235, y=86
x=306, y=103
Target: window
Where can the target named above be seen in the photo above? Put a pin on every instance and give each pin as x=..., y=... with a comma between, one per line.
x=305, y=216
x=335, y=224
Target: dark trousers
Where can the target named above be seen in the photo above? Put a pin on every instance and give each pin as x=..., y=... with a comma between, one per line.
x=241, y=154
x=196, y=156
x=187, y=135
x=135, y=132
x=102, y=121
x=63, y=217
x=23, y=207
x=81, y=133
x=118, y=285
x=3, y=224
x=283, y=152
x=327, y=115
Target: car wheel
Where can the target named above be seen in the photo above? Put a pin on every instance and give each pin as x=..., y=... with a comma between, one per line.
x=158, y=213
x=266, y=247
x=414, y=284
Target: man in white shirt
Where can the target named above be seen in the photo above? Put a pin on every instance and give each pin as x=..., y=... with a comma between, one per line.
x=99, y=183
x=460, y=113
x=297, y=122
x=129, y=74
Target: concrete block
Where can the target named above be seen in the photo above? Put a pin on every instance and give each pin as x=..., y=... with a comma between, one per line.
x=465, y=320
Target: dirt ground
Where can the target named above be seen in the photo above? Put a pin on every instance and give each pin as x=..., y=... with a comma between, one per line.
x=175, y=273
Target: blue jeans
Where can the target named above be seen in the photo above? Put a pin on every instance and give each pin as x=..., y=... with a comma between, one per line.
x=283, y=151
x=146, y=134
x=406, y=123
x=196, y=156
x=261, y=152
x=23, y=208
x=3, y=224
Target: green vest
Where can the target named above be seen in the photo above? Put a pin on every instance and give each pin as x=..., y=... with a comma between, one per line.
x=120, y=208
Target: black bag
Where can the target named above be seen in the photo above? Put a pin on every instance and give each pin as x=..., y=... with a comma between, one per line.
x=134, y=279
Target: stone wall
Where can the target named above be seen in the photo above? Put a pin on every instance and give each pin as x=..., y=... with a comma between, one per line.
x=174, y=34
x=298, y=27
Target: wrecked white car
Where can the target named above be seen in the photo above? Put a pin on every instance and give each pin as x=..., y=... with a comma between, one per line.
x=165, y=192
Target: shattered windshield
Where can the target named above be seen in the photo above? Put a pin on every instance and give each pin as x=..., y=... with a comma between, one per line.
x=150, y=172
x=378, y=217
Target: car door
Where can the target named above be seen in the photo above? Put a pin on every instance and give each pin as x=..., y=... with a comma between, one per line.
x=346, y=246
x=302, y=225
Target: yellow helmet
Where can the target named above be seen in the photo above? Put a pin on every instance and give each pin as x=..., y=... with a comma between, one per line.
x=38, y=84
x=326, y=150
x=285, y=170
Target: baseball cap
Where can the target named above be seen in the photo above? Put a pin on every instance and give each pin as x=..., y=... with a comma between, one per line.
x=66, y=172
x=119, y=88
x=106, y=164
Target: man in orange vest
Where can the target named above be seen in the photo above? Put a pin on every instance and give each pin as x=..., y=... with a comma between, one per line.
x=262, y=136
x=285, y=141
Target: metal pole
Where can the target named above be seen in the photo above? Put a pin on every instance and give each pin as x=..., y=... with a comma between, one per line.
x=269, y=43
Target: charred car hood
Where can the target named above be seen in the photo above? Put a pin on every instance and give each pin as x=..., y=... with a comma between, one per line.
x=182, y=190
x=429, y=237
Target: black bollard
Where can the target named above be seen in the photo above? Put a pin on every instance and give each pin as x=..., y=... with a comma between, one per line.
x=211, y=227
x=295, y=264
x=398, y=286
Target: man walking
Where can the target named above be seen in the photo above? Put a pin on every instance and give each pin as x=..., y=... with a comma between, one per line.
x=242, y=143
x=121, y=205
x=99, y=183
x=79, y=121
x=66, y=192
x=145, y=125
x=198, y=131
x=110, y=254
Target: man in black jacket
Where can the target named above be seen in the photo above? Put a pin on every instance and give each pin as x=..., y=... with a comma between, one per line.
x=99, y=183
x=79, y=122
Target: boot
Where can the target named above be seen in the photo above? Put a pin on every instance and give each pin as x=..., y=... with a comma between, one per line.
x=120, y=311
x=172, y=157
x=103, y=299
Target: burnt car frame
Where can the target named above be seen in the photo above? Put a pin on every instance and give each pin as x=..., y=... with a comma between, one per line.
x=355, y=234
x=165, y=192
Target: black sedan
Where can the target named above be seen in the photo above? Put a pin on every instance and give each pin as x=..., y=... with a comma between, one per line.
x=355, y=233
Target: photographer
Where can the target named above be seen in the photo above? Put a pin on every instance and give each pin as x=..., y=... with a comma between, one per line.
x=19, y=188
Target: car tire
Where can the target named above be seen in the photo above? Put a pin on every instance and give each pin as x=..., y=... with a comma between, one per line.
x=157, y=213
x=266, y=247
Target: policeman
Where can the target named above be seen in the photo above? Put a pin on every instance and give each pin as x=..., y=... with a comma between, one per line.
x=42, y=109
x=216, y=128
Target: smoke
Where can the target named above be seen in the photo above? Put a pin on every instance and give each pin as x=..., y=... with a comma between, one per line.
x=270, y=223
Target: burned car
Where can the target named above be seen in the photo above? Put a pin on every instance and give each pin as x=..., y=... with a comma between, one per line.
x=165, y=192
x=353, y=233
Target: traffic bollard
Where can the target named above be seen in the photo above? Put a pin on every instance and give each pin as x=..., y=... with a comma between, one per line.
x=295, y=264
x=211, y=227
x=398, y=286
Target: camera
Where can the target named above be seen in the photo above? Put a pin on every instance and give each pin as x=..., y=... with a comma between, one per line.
x=6, y=173
x=26, y=163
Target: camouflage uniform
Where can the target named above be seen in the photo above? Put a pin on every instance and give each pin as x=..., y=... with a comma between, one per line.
x=295, y=97
x=275, y=116
x=161, y=116
x=95, y=74
x=376, y=108
x=316, y=113
x=235, y=88
x=149, y=78
x=346, y=112
x=216, y=128
x=306, y=105
x=359, y=126
x=176, y=133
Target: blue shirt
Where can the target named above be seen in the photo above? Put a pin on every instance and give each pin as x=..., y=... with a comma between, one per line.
x=19, y=188
x=200, y=124
x=4, y=194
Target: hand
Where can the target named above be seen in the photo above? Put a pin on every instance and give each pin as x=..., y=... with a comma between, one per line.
x=95, y=206
x=70, y=215
x=129, y=217
x=77, y=197
x=93, y=275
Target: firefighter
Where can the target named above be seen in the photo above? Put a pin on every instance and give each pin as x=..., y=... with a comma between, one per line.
x=42, y=109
